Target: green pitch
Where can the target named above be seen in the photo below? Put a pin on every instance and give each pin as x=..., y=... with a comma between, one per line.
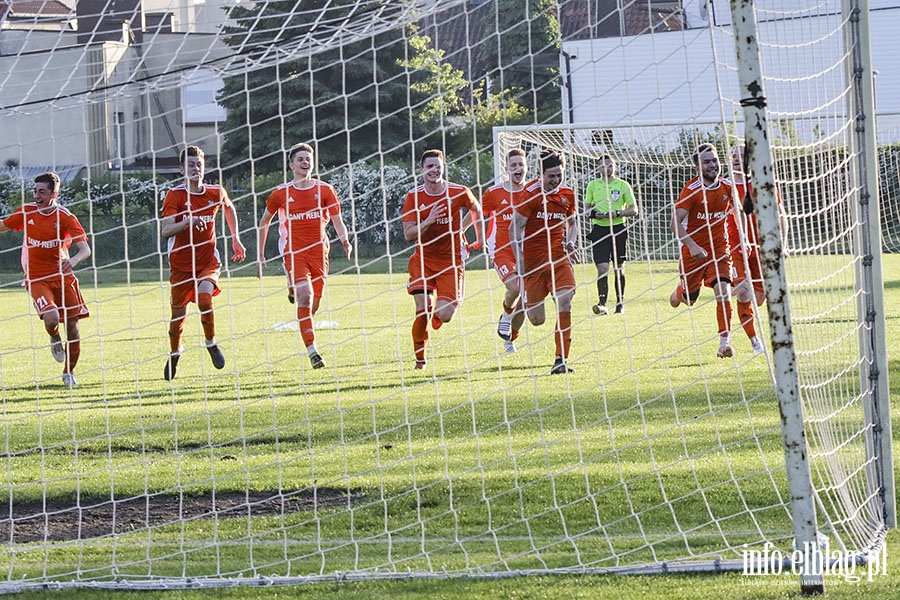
x=652, y=450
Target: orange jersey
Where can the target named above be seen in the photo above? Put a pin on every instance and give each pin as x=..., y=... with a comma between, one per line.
x=443, y=241
x=497, y=205
x=303, y=215
x=707, y=213
x=47, y=238
x=193, y=250
x=750, y=230
x=545, y=230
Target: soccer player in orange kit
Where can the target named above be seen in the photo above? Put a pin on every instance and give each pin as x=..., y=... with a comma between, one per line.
x=188, y=223
x=497, y=206
x=304, y=207
x=432, y=220
x=698, y=221
x=543, y=234
x=49, y=229
x=747, y=280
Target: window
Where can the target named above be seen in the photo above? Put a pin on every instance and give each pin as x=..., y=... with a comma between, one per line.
x=602, y=137
x=198, y=98
x=666, y=15
x=118, y=141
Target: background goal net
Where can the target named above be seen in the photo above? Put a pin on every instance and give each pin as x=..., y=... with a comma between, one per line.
x=653, y=454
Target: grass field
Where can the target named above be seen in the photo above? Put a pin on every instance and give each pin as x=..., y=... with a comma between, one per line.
x=652, y=450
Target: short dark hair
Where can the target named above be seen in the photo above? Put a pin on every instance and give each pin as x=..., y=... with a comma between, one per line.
x=704, y=147
x=51, y=179
x=612, y=160
x=301, y=147
x=550, y=159
x=190, y=151
x=515, y=152
x=433, y=153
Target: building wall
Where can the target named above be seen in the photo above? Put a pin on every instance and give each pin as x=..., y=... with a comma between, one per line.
x=63, y=103
x=698, y=13
x=51, y=117
x=671, y=77
x=32, y=131
x=192, y=17
x=165, y=131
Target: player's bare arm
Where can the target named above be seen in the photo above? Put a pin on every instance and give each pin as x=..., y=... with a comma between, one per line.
x=84, y=252
x=262, y=233
x=237, y=248
x=341, y=230
x=517, y=236
x=413, y=229
x=629, y=211
x=678, y=217
x=571, y=230
x=571, y=237
x=467, y=221
x=478, y=223
x=747, y=206
x=783, y=225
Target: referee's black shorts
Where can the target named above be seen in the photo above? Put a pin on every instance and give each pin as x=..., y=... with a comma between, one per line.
x=608, y=244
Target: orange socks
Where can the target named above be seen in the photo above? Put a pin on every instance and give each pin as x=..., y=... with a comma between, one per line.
x=207, y=319
x=745, y=314
x=420, y=335
x=304, y=316
x=563, y=334
x=176, y=330
x=723, y=317
x=73, y=351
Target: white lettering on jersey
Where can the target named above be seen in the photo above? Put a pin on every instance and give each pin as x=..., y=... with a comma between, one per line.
x=716, y=216
x=33, y=243
x=551, y=215
x=310, y=215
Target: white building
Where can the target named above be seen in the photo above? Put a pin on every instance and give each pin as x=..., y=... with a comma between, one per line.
x=80, y=82
x=683, y=76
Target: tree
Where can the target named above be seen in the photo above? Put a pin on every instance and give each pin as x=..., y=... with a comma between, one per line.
x=524, y=56
x=351, y=102
x=390, y=96
x=452, y=105
x=436, y=80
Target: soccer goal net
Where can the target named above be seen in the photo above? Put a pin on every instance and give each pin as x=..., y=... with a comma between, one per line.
x=650, y=454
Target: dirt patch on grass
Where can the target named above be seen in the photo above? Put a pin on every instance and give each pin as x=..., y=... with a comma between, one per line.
x=60, y=521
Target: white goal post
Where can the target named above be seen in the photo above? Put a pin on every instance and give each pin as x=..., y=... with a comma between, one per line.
x=652, y=455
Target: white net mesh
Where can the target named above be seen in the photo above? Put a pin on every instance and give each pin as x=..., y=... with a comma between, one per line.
x=653, y=451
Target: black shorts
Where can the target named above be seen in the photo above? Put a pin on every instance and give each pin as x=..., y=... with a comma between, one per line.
x=608, y=243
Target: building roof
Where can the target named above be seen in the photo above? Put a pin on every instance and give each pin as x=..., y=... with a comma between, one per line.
x=25, y=8
x=67, y=173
